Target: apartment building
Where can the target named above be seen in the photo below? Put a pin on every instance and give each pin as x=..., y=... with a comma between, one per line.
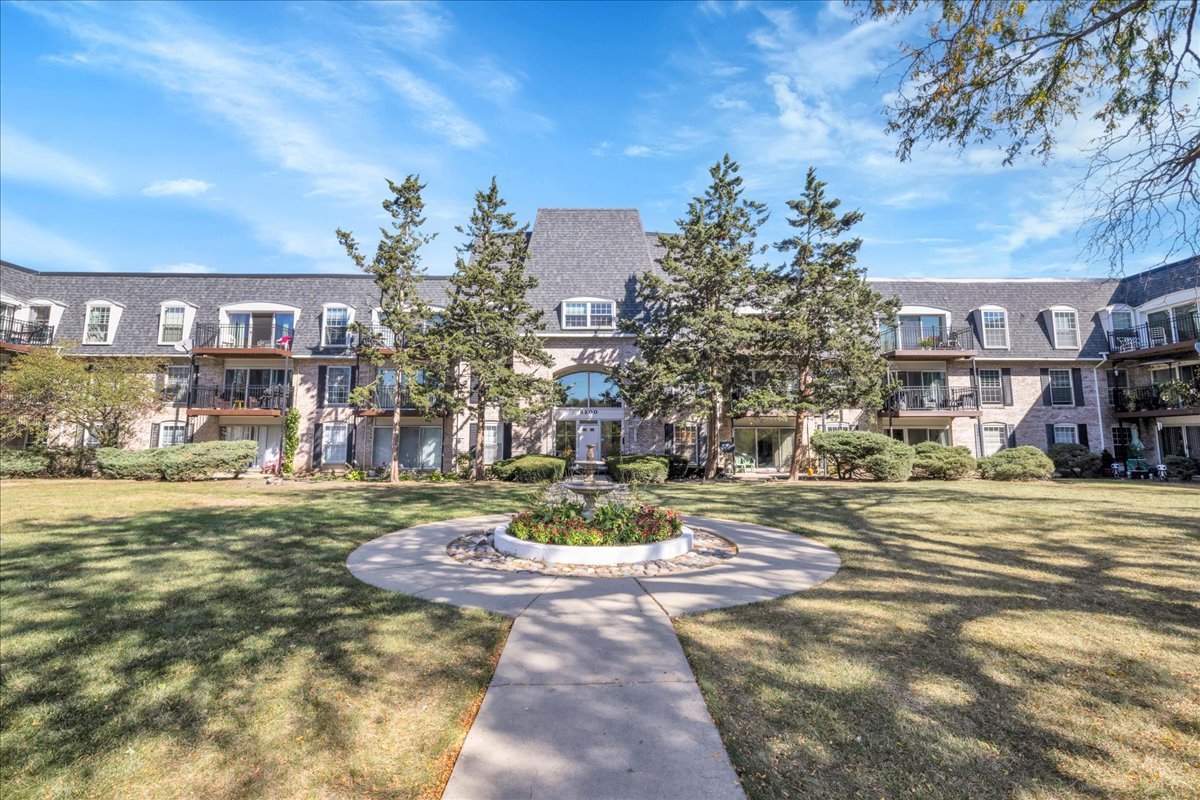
x=983, y=363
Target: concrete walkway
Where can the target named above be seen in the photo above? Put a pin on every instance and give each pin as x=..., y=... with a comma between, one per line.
x=593, y=698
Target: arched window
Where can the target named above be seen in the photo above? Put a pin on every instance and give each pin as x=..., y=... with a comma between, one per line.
x=590, y=390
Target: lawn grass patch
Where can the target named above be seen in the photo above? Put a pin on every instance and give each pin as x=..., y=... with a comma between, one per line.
x=206, y=640
x=981, y=640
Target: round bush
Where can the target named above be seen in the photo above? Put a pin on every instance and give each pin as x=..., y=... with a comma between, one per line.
x=530, y=468
x=1076, y=460
x=859, y=452
x=638, y=468
x=1023, y=463
x=936, y=462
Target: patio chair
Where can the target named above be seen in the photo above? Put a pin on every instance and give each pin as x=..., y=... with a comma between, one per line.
x=742, y=464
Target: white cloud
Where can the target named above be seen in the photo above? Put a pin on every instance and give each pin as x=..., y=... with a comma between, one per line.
x=437, y=112
x=601, y=149
x=32, y=245
x=185, y=187
x=638, y=151
x=25, y=159
x=184, y=267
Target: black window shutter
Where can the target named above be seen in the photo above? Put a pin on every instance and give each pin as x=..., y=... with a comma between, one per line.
x=1049, y=435
x=979, y=439
x=154, y=435
x=1077, y=384
x=321, y=386
x=1046, y=401
x=1006, y=385
x=506, y=447
x=316, y=452
x=353, y=377
x=1012, y=436
x=1083, y=435
x=191, y=430
x=669, y=436
x=350, y=429
x=472, y=434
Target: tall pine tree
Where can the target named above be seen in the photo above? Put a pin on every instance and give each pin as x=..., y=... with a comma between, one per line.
x=823, y=320
x=489, y=336
x=403, y=313
x=696, y=332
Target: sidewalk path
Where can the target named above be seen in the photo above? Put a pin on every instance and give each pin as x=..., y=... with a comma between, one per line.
x=593, y=698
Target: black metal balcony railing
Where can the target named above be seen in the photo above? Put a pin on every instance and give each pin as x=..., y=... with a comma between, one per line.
x=274, y=397
x=379, y=336
x=234, y=337
x=174, y=392
x=1182, y=328
x=933, y=398
x=384, y=399
x=1157, y=397
x=22, y=332
x=918, y=337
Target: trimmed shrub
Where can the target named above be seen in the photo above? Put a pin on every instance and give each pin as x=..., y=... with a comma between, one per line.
x=184, y=462
x=1075, y=460
x=23, y=463
x=197, y=462
x=1182, y=467
x=678, y=467
x=1023, y=463
x=639, y=468
x=530, y=468
x=613, y=524
x=859, y=452
x=936, y=462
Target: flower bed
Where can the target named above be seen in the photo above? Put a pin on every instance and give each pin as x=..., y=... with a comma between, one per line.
x=563, y=524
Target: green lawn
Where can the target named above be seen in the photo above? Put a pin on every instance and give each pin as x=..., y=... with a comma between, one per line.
x=981, y=640
x=206, y=640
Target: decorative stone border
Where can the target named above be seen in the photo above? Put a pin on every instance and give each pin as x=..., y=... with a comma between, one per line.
x=708, y=550
x=592, y=556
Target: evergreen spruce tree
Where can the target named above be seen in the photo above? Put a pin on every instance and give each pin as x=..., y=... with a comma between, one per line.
x=696, y=333
x=489, y=339
x=823, y=319
x=403, y=313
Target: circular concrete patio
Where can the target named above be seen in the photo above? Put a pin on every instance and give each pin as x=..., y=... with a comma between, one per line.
x=770, y=563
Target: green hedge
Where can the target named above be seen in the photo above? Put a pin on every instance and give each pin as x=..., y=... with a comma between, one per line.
x=640, y=468
x=859, y=452
x=1076, y=459
x=23, y=463
x=1182, y=467
x=531, y=468
x=1023, y=463
x=184, y=462
x=937, y=462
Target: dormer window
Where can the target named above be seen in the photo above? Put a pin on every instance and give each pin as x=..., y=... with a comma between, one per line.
x=102, y=318
x=583, y=313
x=1065, y=324
x=335, y=324
x=994, y=325
x=175, y=318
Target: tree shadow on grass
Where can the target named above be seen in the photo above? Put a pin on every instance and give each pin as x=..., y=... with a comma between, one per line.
x=977, y=643
x=176, y=623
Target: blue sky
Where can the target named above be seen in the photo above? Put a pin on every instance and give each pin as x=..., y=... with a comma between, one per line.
x=235, y=137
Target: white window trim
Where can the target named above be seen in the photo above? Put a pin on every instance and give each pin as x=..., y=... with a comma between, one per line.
x=906, y=311
x=983, y=331
x=162, y=429
x=993, y=426
x=114, y=320
x=56, y=310
x=1072, y=426
x=999, y=385
x=326, y=427
x=562, y=320
x=1070, y=385
x=1119, y=309
x=189, y=317
x=325, y=309
x=263, y=308
x=1051, y=311
x=329, y=383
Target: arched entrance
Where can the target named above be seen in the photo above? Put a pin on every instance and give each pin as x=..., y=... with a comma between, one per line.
x=592, y=415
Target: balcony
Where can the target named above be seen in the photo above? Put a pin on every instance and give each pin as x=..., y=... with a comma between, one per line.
x=238, y=400
x=1176, y=398
x=383, y=403
x=932, y=401
x=1177, y=335
x=383, y=339
x=262, y=337
x=19, y=336
x=917, y=342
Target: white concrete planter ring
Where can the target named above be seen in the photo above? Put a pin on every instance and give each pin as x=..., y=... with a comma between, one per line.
x=569, y=554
